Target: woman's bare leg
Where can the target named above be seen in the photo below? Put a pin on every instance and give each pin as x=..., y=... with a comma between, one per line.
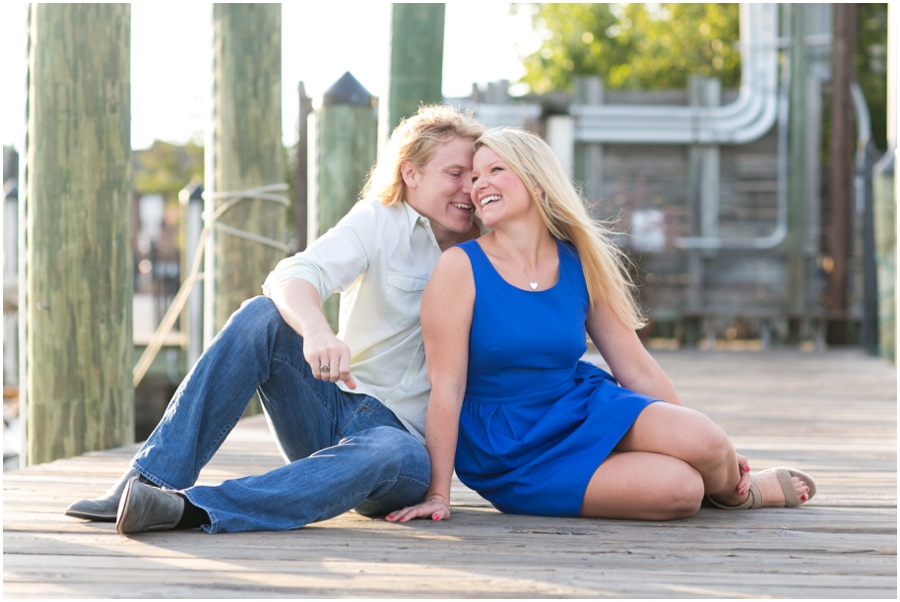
x=643, y=486
x=692, y=437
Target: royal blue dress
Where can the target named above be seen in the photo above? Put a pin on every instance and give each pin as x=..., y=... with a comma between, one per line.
x=536, y=421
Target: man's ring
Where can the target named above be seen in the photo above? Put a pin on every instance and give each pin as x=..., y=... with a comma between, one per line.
x=324, y=368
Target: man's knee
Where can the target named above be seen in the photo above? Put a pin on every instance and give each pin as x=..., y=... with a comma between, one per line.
x=255, y=315
x=259, y=307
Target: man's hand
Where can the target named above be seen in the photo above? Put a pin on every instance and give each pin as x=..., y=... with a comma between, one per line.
x=328, y=357
x=299, y=304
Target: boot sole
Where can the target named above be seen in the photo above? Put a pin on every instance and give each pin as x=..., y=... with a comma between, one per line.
x=99, y=518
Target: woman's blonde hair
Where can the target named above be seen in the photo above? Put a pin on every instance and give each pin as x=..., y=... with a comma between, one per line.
x=415, y=140
x=568, y=219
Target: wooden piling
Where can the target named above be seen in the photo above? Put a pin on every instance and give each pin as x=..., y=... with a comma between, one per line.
x=346, y=130
x=247, y=152
x=417, y=56
x=78, y=297
x=301, y=171
x=796, y=261
x=843, y=148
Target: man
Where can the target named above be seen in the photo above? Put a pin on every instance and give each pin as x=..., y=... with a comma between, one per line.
x=347, y=410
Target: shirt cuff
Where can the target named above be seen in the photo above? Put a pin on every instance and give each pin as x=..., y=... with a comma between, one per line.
x=297, y=269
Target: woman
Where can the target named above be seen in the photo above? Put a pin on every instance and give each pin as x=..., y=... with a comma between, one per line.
x=532, y=428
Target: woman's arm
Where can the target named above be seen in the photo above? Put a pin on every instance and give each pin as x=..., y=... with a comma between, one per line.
x=447, y=306
x=628, y=360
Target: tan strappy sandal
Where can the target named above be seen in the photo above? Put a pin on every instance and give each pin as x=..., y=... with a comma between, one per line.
x=784, y=475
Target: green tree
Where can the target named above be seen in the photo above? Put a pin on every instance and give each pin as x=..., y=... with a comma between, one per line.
x=166, y=168
x=871, y=66
x=633, y=46
x=659, y=46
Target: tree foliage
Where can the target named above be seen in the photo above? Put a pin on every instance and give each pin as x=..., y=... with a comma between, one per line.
x=166, y=168
x=659, y=46
x=633, y=46
x=871, y=66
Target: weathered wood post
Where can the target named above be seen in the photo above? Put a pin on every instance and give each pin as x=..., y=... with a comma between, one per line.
x=797, y=185
x=843, y=147
x=346, y=141
x=417, y=58
x=78, y=298
x=301, y=173
x=246, y=153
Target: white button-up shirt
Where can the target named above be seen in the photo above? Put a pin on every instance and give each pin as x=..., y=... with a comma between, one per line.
x=379, y=258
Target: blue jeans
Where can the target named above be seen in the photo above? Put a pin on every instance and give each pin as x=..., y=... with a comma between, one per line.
x=345, y=450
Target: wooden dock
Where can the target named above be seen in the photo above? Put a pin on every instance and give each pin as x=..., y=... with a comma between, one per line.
x=832, y=414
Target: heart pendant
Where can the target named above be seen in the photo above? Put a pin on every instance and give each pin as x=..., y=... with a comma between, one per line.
x=533, y=285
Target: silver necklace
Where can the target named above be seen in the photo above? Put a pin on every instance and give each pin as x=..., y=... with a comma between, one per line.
x=533, y=281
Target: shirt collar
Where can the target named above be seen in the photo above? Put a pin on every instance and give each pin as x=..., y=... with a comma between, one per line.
x=413, y=218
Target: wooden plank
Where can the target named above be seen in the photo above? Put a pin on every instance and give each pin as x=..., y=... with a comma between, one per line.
x=832, y=413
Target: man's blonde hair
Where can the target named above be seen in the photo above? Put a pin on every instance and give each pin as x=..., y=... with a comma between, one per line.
x=568, y=219
x=415, y=140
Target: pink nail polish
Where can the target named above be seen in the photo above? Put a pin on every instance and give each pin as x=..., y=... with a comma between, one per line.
x=435, y=516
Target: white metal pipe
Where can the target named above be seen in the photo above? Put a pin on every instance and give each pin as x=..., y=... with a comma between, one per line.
x=750, y=116
x=782, y=111
x=760, y=103
x=863, y=136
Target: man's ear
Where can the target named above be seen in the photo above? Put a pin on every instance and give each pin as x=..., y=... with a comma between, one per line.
x=409, y=173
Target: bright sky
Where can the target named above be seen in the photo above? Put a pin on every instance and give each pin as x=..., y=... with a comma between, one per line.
x=171, y=58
